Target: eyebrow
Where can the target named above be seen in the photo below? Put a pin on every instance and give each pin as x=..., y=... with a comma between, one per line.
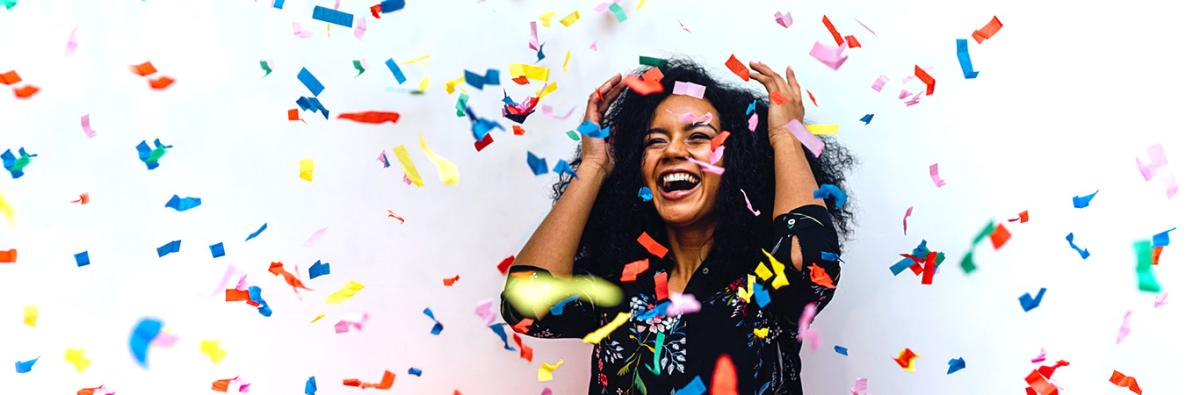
x=688, y=128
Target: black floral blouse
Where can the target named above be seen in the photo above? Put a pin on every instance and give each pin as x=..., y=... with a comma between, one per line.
x=755, y=325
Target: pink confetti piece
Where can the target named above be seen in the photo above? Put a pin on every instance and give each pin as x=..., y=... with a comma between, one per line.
x=484, y=311
x=1161, y=300
x=716, y=156
x=784, y=20
x=360, y=27
x=915, y=99
x=707, y=167
x=686, y=117
x=685, y=28
x=1158, y=159
x=829, y=55
x=933, y=174
x=865, y=27
x=904, y=93
x=351, y=320
x=682, y=304
x=533, y=37
x=547, y=391
x=86, y=122
x=753, y=122
x=299, y=31
x=1041, y=357
x=807, y=332
x=813, y=143
x=312, y=240
x=164, y=340
x=748, y=206
x=860, y=387
x=383, y=159
x=906, y=215
x=879, y=83
x=550, y=112
x=71, y=43
x=593, y=46
x=230, y=271
x=1124, y=330
x=689, y=89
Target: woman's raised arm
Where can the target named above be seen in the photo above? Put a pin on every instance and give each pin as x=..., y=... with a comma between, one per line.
x=794, y=180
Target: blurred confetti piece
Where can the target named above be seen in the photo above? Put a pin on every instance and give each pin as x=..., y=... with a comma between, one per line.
x=183, y=204
x=999, y=236
x=484, y=311
x=151, y=156
x=807, y=332
x=312, y=240
x=828, y=55
x=546, y=371
x=15, y=165
x=694, y=387
x=1083, y=201
x=724, y=381
x=437, y=325
x=360, y=27
x=31, y=316
x=926, y=78
x=682, y=304
x=1161, y=300
x=784, y=20
x=570, y=19
x=907, y=360
x=372, y=117
x=1040, y=358
x=72, y=43
x=533, y=296
x=86, y=122
x=310, y=386
x=841, y=350
x=1146, y=279
x=212, y=349
x=1122, y=380
x=161, y=83
x=84, y=198
x=604, y=331
x=385, y=383
x=139, y=341
x=348, y=291
x=964, y=59
x=1124, y=329
x=8, y=256
x=987, y=31
x=26, y=366
x=879, y=83
x=406, y=163
x=306, y=170
x=224, y=385
x=1030, y=302
x=831, y=128
x=933, y=174
x=956, y=364
x=447, y=171
x=1083, y=252
x=707, y=167
x=144, y=69
x=860, y=387
x=350, y=320
x=907, y=213
x=77, y=359
x=299, y=31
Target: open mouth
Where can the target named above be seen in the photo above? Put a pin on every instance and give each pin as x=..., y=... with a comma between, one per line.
x=677, y=184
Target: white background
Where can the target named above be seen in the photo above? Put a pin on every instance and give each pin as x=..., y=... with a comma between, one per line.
x=1069, y=94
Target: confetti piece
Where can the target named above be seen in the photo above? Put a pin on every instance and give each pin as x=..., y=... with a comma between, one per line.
x=406, y=163
x=1083, y=201
x=152, y=156
x=1083, y=252
x=784, y=20
x=1040, y=358
x=77, y=359
x=277, y=269
x=333, y=16
x=724, y=381
x=505, y=264
x=738, y=68
x=806, y=332
x=360, y=27
x=1161, y=300
x=385, y=383
x=1122, y=380
x=1146, y=280
x=450, y=281
x=999, y=236
x=318, y=269
x=82, y=259
x=964, y=59
x=811, y=142
x=546, y=371
x=310, y=386
x=1124, y=329
x=1029, y=302
x=651, y=245
x=933, y=174
x=348, y=291
x=30, y=316
x=72, y=43
x=648, y=83
x=617, y=11
x=645, y=194
x=144, y=69
x=388, y=6
x=781, y=279
x=748, y=206
x=604, y=331
x=161, y=83
x=860, y=386
x=372, y=117
x=310, y=82
x=306, y=170
x=414, y=372
x=491, y=77
x=26, y=366
x=1023, y=217
x=688, y=88
x=7, y=210
x=926, y=78
x=866, y=119
x=907, y=214
x=278, y=4
x=86, y=122
x=987, y=30
x=906, y=360
x=14, y=165
x=224, y=385
x=8, y=256
x=183, y=204
x=956, y=364
x=212, y=349
x=299, y=31
x=829, y=55
x=837, y=37
x=694, y=387
x=1037, y=379
x=633, y=269
x=350, y=320
x=879, y=83
x=170, y=248
x=217, y=250
x=545, y=18
x=827, y=191
x=820, y=277
x=570, y=19
x=852, y=42
x=708, y=167
x=841, y=350
x=399, y=75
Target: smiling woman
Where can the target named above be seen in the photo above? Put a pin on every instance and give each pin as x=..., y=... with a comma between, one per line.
x=753, y=275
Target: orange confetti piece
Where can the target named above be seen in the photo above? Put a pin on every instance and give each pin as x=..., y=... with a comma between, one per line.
x=523, y=326
x=926, y=78
x=373, y=117
x=235, y=295
x=852, y=42
x=1023, y=217
x=9, y=256
x=10, y=77
x=987, y=30
x=517, y=130
x=648, y=242
x=1122, y=380
x=811, y=97
x=1157, y=252
x=833, y=30
x=450, y=281
x=161, y=82
x=277, y=269
x=526, y=351
x=144, y=69
x=294, y=114
x=724, y=381
x=738, y=68
x=778, y=98
x=648, y=83
x=633, y=269
x=26, y=91
x=905, y=359
x=522, y=80
x=661, y=292
x=719, y=140
x=386, y=383
x=819, y=276
x=999, y=236
x=83, y=199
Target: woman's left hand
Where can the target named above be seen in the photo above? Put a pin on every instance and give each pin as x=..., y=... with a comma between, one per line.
x=779, y=115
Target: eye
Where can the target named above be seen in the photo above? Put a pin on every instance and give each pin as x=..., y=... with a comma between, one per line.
x=700, y=136
x=655, y=141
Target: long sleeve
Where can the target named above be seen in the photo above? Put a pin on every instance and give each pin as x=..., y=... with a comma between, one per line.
x=811, y=228
x=573, y=317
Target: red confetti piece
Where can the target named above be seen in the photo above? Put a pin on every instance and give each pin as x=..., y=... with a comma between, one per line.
x=373, y=117
x=450, y=281
x=926, y=78
x=832, y=30
x=719, y=140
x=818, y=276
x=26, y=91
x=661, y=291
x=724, y=381
x=987, y=30
x=523, y=326
x=294, y=114
x=517, y=130
x=648, y=83
x=376, y=11
x=650, y=245
x=905, y=359
x=526, y=351
x=778, y=98
x=486, y=141
x=930, y=268
x=1157, y=252
x=276, y=268
x=10, y=77
x=1023, y=217
x=999, y=236
x=633, y=269
x=852, y=42
x=9, y=256
x=385, y=383
x=505, y=264
x=1122, y=380
x=738, y=68
x=162, y=82
x=144, y=69
x=811, y=97
x=522, y=80
x=392, y=214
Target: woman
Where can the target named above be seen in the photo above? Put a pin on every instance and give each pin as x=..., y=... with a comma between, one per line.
x=715, y=242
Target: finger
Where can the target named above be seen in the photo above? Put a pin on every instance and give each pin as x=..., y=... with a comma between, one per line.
x=766, y=81
x=792, y=82
x=780, y=83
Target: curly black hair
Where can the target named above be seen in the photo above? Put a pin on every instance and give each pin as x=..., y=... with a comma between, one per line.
x=619, y=216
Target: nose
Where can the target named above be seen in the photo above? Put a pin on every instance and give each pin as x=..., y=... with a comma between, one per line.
x=676, y=149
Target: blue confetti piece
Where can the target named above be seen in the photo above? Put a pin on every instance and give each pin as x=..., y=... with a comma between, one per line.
x=311, y=104
x=183, y=204
x=257, y=232
x=541, y=54
x=318, y=269
x=1163, y=239
x=391, y=5
x=557, y=309
x=751, y=107
x=866, y=119
x=956, y=364
x=829, y=256
x=333, y=16
x=1083, y=252
x=562, y=167
x=1083, y=201
x=659, y=310
x=310, y=82
x=538, y=165
x=169, y=248
x=139, y=341
x=492, y=77
x=151, y=156
x=310, y=386
x=645, y=194
x=279, y=4
x=414, y=372
x=82, y=259
x=26, y=366
x=695, y=387
x=217, y=250
x=830, y=190
x=1029, y=303
x=761, y=297
x=256, y=297
x=964, y=59
x=437, y=325
x=15, y=165
x=591, y=129
x=841, y=350
x=498, y=329
x=391, y=65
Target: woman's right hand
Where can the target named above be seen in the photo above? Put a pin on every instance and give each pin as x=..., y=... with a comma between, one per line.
x=596, y=152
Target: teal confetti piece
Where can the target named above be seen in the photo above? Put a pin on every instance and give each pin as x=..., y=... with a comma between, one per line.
x=266, y=67
x=358, y=66
x=617, y=11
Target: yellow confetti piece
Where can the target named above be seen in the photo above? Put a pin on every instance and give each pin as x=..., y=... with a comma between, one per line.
x=546, y=18
x=761, y=333
x=781, y=278
x=532, y=72
x=453, y=83
x=830, y=128
x=599, y=334
x=548, y=90
x=212, y=348
x=746, y=292
x=546, y=371
x=533, y=296
x=8, y=211
x=76, y=358
x=306, y=169
x=566, y=59
x=345, y=293
x=570, y=19
x=424, y=84
x=416, y=60
x=406, y=163
x=31, y=315
x=446, y=169
x=314, y=320
x=762, y=271
x=640, y=4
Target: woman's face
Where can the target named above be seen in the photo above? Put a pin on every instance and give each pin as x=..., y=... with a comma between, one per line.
x=683, y=195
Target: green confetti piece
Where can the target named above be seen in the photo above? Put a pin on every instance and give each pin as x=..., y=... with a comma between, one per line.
x=358, y=66
x=617, y=11
x=9, y=4
x=968, y=262
x=461, y=105
x=987, y=230
x=573, y=135
x=649, y=61
x=653, y=367
x=266, y=67
x=1145, y=256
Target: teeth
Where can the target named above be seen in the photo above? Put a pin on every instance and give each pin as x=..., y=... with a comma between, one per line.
x=680, y=177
